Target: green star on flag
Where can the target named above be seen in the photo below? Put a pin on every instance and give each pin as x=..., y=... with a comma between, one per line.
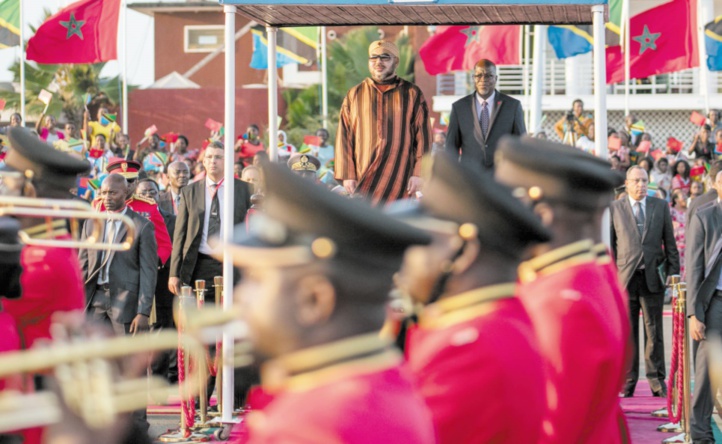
x=73, y=26
x=472, y=34
x=647, y=40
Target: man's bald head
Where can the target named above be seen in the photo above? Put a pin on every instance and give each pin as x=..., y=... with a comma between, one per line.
x=178, y=174
x=114, y=191
x=485, y=64
x=116, y=179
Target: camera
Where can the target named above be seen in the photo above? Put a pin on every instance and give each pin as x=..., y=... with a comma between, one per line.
x=570, y=116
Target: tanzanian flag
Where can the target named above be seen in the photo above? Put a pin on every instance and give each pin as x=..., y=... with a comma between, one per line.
x=9, y=23
x=293, y=45
x=713, y=44
x=614, y=25
x=569, y=40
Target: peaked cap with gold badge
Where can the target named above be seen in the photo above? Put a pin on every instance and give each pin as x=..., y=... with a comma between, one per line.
x=556, y=172
x=126, y=168
x=303, y=162
x=458, y=200
x=304, y=222
x=52, y=167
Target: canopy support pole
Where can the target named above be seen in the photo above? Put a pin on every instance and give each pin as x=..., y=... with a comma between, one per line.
x=272, y=32
x=600, y=98
x=227, y=226
x=537, y=88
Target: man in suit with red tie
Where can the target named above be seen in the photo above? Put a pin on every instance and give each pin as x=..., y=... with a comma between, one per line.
x=199, y=219
x=479, y=120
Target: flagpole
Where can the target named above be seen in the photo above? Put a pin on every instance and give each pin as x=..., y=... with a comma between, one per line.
x=22, y=61
x=625, y=49
x=124, y=55
x=324, y=79
x=705, y=13
x=537, y=87
x=525, y=72
x=272, y=33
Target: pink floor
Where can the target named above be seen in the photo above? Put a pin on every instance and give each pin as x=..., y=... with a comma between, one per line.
x=637, y=409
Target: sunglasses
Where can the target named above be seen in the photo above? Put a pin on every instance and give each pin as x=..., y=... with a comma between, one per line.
x=383, y=57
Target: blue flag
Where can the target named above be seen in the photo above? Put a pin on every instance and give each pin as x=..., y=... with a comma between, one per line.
x=713, y=44
x=568, y=40
x=293, y=45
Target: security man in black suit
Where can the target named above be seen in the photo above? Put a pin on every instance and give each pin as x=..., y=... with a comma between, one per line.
x=479, y=120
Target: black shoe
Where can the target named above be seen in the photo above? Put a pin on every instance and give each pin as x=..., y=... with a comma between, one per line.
x=662, y=393
x=626, y=393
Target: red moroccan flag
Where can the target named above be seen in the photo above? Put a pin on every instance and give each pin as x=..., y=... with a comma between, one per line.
x=84, y=32
x=458, y=48
x=661, y=40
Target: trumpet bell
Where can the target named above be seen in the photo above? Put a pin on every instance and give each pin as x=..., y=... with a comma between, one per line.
x=66, y=209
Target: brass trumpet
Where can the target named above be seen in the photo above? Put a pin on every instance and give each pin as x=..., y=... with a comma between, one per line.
x=66, y=209
x=88, y=385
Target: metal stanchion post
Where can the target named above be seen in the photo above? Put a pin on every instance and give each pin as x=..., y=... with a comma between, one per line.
x=200, y=291
x=679, y=405
x=218, y=286
x=186, y=302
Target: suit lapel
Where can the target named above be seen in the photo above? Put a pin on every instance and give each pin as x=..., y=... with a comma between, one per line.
x=650, y=207
x=499, y=101
x=627, y=208
x=120, y=235
x=475, y=118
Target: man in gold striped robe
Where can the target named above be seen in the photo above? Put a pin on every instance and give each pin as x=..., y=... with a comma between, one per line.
x=383, y=132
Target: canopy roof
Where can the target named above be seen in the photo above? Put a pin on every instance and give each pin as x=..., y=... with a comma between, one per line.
x=414, y=12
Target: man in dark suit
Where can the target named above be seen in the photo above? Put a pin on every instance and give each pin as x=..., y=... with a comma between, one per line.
x=199, y=219
x=119, y=285
x=178, y=176
x=646, y=253
x=479, y=120
x=704, y=305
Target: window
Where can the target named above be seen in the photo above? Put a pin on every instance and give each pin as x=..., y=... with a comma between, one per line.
x=204, y=38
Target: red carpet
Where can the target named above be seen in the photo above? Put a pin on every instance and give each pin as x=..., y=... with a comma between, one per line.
x=637, y=409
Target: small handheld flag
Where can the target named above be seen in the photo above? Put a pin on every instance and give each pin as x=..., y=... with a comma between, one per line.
x=644, y=146
x=45, y=96
x=674, y=144
x=213, y=125
x=614, y=143
x=312, y=140
x=656, y=154
x=697, y=118
x=697, y=171
x=150, y=131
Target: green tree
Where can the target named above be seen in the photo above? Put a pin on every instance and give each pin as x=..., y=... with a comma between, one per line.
x=347, y=67
x=73, y=82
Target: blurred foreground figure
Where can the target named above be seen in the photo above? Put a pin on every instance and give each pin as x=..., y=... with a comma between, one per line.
x=317, y=270
x=576, y=305
x=474, y=342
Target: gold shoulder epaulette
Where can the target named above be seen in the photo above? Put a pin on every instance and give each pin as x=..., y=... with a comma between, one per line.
x=144, y=199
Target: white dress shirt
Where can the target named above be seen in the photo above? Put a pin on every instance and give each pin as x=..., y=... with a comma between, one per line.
x=489, y=105
x=103, y=277
x=204, y=247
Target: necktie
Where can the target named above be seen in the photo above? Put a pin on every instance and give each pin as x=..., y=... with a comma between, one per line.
x=484, y=118
x=109, y=238
x=639, y=215
x=176, y=202
x=214, y=220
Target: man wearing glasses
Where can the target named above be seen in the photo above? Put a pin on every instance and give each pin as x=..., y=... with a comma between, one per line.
x=479, y=120
x=383, y=132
